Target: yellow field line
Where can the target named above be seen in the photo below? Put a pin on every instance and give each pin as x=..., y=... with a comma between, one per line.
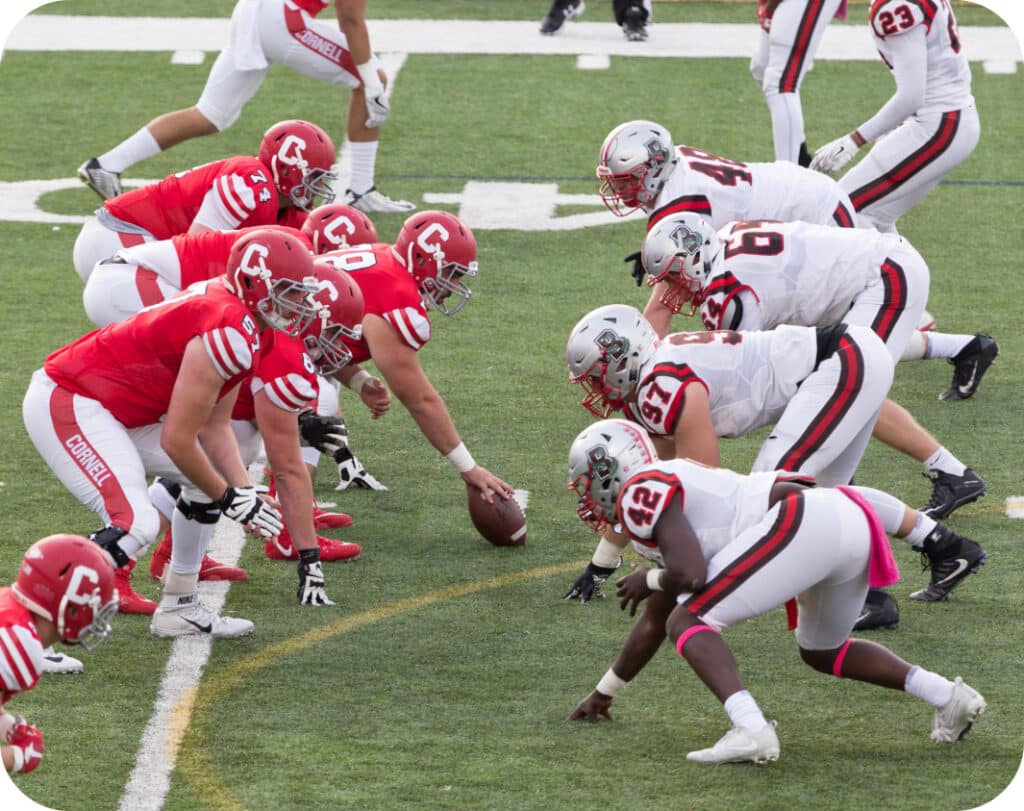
x=193, y=763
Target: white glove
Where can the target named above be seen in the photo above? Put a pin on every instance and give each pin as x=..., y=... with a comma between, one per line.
x=351, y=473
x=242, y=504
x=834, y=155
x=311, y=585
x=377, y=107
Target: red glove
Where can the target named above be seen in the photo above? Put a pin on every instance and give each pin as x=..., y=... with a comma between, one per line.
x=27, y=745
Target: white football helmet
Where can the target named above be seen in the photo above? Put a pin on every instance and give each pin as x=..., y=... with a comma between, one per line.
x=605, y=352
x=636, y=159
x=683, y=250
x=601, y=460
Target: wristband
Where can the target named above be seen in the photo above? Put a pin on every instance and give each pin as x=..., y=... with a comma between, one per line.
x=654, y=579
x=610, y=684
x=358, y=380
x=371, y=81
x=607, y=555
x=461, y=458
x=19, y=759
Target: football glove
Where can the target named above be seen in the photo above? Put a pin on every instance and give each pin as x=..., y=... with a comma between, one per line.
x=326, y=434
x=311, y=585
x=377, y=108
x=26, y=742
x=834, y=155
x=590, y=584
x=637, y=271
x=351, y=473
x=243, y=505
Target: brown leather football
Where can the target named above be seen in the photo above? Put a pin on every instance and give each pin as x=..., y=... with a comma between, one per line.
x=502, y=523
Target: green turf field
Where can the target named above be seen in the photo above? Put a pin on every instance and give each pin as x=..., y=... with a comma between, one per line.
x=443, y=677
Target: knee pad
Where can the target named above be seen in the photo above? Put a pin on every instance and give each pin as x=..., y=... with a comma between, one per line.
x=108, y=538
x=202, y=512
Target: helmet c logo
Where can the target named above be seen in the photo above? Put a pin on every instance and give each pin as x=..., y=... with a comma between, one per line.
x=253, y=261
x=435, y=228
x=341, y=223
x=328, y=285
x=290, y=151
x=80, y=574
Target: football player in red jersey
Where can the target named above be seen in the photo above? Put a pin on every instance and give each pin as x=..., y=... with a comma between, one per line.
x=433, y=255
x=265, y=33
x=728, y=548
x=152, y=395
x=64, y=592
x=290, y=173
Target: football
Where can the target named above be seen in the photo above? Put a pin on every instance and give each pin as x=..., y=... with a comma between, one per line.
x=502, y=523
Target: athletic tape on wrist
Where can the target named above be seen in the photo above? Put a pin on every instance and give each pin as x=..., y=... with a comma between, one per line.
x=358, y=380
x=654, y=579
x=371, y=81
x=610, y=684
x=461, y=458
x=685, y=635
x=607, y=555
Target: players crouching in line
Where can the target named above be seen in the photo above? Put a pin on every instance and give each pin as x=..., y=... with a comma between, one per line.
x=728, y=548
x=759, y=275
x=152, y=396
x=426, y=268
x=65, y=592
x=821, y=388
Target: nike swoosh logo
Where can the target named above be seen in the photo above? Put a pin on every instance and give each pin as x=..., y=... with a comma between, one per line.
x=206, y=629
x=863, y=616
x=961, y=564
x=966, y=388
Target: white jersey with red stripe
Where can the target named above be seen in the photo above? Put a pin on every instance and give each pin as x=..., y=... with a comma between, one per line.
x=21, y=652
x=131, y=366
x=799, y=273
x=284, y=372
x=750, y=377
x=723, y=190
x=719, y=504
x=389, y=291
x=223, y=195
x=948, y=78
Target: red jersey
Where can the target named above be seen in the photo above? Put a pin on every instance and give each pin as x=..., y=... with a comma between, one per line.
x=389, y=290
x=283, y=371
x=312, y=7
x=205, y=256
x=131, y=366
x=233, y=193
x=21, y=652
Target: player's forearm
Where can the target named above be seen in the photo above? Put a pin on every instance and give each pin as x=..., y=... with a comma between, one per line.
x=352, y=22
x=221, y=447
x=909, y=70
x=431, y=415
x=190, y=459
x=7, y=754
x=295, y=494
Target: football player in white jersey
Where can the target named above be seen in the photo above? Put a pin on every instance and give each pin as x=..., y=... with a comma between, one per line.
x=758, y=275
x=821, y=388
x=728, y=548
x=791, y=31
x=928, y=127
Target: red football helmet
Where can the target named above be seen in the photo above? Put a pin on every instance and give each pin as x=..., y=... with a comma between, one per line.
x=439, y=250
x=299, y=155
x=339, y=315
x=271, y=270
x=69, y=580
x=337, y=226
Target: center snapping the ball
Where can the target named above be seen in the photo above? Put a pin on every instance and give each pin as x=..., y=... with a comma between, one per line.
x=502, y=523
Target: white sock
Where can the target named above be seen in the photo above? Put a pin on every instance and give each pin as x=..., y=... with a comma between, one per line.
x=191, y=540
x=364, y=162
x=945, y=461
x=130, y=151
x=744, y=712
x=942, y=345
x=931, y=687
x=787, y=125
x=917, y=346
x=923, y=527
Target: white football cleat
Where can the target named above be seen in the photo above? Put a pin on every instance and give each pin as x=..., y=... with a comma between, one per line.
x=372, y=201
x=56, y=662
x=954, y=720
x=190, y=617
x=105, y=183
x=739, y=745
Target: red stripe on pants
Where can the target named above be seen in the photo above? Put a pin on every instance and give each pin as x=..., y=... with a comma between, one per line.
x=146, y=285
x=791, y=73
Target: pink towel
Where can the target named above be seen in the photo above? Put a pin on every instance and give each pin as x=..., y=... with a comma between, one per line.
x=882, y=569
x=841, y=11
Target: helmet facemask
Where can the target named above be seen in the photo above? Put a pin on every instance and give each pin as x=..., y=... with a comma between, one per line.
x=91, y=635
x=314, y=189
x=328, y=349
x=288, y=306
x=436, y=289
x=680, y=251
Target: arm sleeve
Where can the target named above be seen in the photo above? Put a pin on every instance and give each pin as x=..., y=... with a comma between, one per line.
x=910, y=70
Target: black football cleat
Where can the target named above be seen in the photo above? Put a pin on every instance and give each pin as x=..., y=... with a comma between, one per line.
x=951, y=492
x=951, y=558
x=880, y=611
x=634, y=24
x=105, y=183
x=970, y=365
x=561, y=10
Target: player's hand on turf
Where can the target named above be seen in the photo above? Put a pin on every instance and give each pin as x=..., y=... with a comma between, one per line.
x=311, y=585
x=242, y=504
x=26, y=742
x=326, y=434
x=637, y=271
x=632, y=589
x=834, y=155
x=590, y=584
x=487, y=483
x=592, y=708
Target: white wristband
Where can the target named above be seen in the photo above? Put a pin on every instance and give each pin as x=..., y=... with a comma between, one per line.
x=19, y=759
x=358, y=380
x=610, y=684
x=461, y=458
x=607, y=555
x=654, y=579
x=371, y=81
